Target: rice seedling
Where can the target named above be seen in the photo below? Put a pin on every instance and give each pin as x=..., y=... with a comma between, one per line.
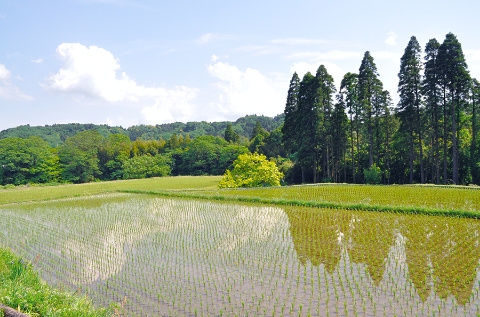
x=184, y=257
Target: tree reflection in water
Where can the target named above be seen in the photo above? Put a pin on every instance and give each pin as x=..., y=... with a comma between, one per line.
x=441, y=253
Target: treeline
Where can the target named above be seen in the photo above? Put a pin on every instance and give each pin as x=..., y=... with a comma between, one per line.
x=358, y=135
x=88, y=156
x=353, y=135
x=56, y=134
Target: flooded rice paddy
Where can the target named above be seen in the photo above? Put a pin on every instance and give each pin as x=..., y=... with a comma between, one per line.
x=174, y=257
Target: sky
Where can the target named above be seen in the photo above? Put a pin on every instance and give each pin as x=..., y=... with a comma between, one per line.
x=126, y=62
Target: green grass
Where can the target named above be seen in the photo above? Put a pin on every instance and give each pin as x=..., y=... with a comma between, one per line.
x=25, y=194
x=22, y=289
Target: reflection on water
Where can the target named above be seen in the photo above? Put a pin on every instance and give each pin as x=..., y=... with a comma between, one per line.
x=172, y=257
x=441, y=254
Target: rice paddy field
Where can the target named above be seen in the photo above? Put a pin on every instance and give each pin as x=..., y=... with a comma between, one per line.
x=163, y=256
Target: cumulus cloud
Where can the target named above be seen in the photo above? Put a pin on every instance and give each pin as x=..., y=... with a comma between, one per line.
x=93, y=72
x=37, y=61
x=247, y=92
x=391, y=39
x=173, y=105
x=7, y=89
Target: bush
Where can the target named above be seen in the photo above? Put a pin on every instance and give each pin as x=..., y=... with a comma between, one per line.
x=146, y=166
x=251, y=170
x=373, y=174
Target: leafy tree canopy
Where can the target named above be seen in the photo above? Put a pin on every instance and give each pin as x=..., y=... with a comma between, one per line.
x=251, y=170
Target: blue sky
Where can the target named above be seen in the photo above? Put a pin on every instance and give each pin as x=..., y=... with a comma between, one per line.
x=126, y=62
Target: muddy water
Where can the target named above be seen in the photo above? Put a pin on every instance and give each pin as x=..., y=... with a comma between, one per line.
x=164, y=257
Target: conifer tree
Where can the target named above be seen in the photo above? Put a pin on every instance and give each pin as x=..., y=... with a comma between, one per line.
x=456, y=80
x=431, y=91
x=474, y=150
x=231, y=135
x=409, y=89
x=368, y=86
x=290, y=124
x=348, y=94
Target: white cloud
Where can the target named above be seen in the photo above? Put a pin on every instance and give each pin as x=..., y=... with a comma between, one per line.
x=247, y=92
x=4, y=72
x=173, y=105
x=391, y=39
x=204, y=39
x=209, y=37
x=214, y=58
x=298, y=41
x=37, y=61
x=7, y=89
x=92, y=71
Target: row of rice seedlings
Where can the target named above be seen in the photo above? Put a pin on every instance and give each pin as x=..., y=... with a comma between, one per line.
x=430, y=197
x=197, y=258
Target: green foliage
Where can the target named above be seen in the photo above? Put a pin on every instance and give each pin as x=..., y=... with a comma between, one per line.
x=231, y=135
x=207, y=155
x=251, y=170
x=146, y=166
x=25, y=161
x=272, y=145
x=373, y=175
x=79, y=157
x=21, y=288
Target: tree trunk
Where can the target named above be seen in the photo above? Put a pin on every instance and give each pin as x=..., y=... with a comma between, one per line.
x=411, y=157
x=419, y=131
x=473, y=145
x=436, y=149
x=454, y=142
x=445, y=176
x=353, y=150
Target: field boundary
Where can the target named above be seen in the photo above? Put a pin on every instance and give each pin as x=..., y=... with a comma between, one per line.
x=315, y=204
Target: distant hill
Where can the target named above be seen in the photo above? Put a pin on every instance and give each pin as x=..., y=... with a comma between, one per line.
x=57, y=133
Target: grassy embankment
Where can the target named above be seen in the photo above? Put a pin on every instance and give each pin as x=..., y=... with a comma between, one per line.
x=22, y=289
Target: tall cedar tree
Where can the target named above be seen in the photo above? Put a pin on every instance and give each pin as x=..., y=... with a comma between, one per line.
x=456, y=80
x=368, y=86
x=290, y=125
x=349, y=95
x=432, y=93
x=339, y=135
x=409, y=89
x=389, y=130
x=323, y=112
x=305, y=121
x=474, y=150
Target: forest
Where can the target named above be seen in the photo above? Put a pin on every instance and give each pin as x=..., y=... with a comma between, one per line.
x=358, y=135
x=353, y=135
